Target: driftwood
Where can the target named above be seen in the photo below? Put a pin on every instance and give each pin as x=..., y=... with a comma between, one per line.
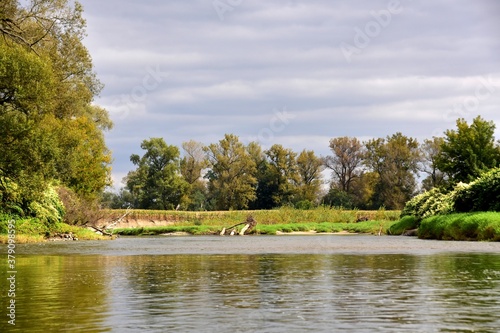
x=249, y=224
x=114, y=222
x=101, y=230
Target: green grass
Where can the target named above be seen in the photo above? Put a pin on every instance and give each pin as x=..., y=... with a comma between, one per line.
x=283, y=215
x=406, y=223
x=321, y=219
x=483, y=226
x=193, y=230
x=31, y=230
x=372, y=227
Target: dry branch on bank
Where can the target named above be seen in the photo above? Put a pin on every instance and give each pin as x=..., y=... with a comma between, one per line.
x=249, y=224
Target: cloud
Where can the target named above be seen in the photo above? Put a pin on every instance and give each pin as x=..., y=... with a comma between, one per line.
x=233, y=75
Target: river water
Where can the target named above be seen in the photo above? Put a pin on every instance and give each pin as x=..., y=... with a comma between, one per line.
x=320, y=283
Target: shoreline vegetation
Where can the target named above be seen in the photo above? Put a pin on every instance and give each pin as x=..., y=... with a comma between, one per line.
x=155, y=222
x=477, y=226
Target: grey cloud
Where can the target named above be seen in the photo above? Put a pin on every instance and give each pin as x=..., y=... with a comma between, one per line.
x=230, y=76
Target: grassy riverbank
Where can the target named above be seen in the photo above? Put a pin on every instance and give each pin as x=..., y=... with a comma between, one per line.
x=270, y=222
x=283, y=215
x=372, y=227
x=477, y=226
x=483, y=226
x=33, y=231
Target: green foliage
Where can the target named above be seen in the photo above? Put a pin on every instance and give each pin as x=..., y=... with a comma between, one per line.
x=51, y=131
x=284, y=215
x=280, y=176
x=49, y=209
x=431, y=150
x=156, y=183
x=484, y=226
x=338, y=198
x=372, y=227
x=483, y=194
x=420, y=205
x=309, y=168
x=121, y=200
x=232, y=175
x=395, y=160
x=469, y=150
x=10, y=197
x=304, y=204
x=406, y=223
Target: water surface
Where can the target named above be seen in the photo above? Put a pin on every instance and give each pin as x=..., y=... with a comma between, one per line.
x=257, y=284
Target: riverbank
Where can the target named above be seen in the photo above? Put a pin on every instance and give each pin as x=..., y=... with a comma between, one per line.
x=150, y=222
x=33, y=231
x=285, y=215
x=365, y=227
x=477, y=226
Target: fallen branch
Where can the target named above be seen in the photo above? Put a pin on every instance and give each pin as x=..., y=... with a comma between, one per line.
x=250, y=223
x=118, y=220
x=102, y=231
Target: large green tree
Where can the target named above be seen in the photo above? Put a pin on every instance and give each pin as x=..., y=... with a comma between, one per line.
x=282, y=175
x=395, y=161
x=469, y=150
x=156, y=183
x=51, y=130
x=309, y=167
x=232, y=174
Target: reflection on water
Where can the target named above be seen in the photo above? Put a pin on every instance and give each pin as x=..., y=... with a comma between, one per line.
x=442, y=292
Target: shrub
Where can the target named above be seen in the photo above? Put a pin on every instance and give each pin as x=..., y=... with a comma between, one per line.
x=10, y=196
x=483, y=194
x=412, y=207
x=49, y=208
x=79, y=211
x=420, y=205
x=434, y=202
x=304, y=205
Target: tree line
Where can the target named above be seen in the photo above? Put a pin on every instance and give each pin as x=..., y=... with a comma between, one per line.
x=381, y=172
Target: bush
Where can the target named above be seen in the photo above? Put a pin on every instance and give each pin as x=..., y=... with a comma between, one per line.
x=483, y=194
x=79, y=211
x=414, y=205
x=10, y=196
x=304, y=205
x=435, y=202
x=49, y=208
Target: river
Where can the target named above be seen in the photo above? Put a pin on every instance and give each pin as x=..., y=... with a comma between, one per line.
x=316, y=283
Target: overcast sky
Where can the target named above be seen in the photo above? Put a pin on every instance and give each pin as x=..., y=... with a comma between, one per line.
x=293, y=72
